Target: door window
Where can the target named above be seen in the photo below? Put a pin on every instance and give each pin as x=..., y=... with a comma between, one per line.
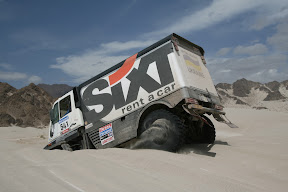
x=65, y=106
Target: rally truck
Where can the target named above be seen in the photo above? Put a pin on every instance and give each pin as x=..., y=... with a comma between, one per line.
x=161, y=98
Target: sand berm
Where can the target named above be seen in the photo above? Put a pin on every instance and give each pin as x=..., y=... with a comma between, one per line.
x=253, y=157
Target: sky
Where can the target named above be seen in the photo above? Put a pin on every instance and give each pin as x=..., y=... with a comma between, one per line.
x=70, y=41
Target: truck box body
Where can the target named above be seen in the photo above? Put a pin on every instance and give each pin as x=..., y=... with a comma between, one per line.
x=112, y=103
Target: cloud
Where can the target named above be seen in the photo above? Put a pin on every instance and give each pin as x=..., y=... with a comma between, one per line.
x=6, y=66
x=223, y=51
x=86, y=65
x=262, y=68
x=12, y=76
x=117, y=46
x=257, y=49
x=269, y=75
x=280, y=40
x=220, y=11
x=34, y=79
x=276, y=12
x=225, y=71
x=17, y=76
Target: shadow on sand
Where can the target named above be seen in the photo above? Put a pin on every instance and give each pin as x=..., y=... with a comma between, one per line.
x=201, y=149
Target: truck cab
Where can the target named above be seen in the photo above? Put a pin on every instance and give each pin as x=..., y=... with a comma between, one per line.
x=65, y=118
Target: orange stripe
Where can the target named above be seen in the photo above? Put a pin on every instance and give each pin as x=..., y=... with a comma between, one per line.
x=124, y=69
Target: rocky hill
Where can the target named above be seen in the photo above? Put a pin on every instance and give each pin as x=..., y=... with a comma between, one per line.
x=25, y=107
x=55, y=90
x=249, y=94
x=6, y=90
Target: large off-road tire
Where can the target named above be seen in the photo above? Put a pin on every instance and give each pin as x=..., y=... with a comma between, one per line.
x=208, y=134
x=161, y=130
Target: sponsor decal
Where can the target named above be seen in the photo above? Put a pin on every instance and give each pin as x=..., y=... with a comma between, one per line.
x=64, y=122
x=138, y=82
x=64, y=125
x=106, y=134
x=65, y=131
x=192, y=63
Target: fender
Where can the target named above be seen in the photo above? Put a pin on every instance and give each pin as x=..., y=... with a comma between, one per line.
x=157, y=104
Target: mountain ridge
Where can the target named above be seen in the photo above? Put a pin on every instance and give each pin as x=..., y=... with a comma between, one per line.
x=245, y=93
x=55, y=90
x=28, y=106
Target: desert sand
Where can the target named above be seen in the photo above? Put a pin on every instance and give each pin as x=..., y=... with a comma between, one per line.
x=253, y=157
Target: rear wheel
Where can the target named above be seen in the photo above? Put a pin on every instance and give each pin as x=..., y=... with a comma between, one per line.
x=161, y=130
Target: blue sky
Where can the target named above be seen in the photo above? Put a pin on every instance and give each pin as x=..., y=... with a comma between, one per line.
x=69, y=41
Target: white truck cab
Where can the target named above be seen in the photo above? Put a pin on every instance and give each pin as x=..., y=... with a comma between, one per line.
x=64, y=117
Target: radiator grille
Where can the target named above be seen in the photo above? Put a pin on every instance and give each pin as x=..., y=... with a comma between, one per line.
x=94, y=136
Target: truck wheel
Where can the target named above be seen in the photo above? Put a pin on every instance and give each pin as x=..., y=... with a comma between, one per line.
x=66, y=146
x=161, y=130
x=208, y=132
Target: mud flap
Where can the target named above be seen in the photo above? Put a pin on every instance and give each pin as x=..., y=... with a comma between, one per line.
x=223, y=119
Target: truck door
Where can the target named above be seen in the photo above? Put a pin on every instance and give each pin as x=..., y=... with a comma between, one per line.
x=64, y=116
x=60, y=117
x=54, y=128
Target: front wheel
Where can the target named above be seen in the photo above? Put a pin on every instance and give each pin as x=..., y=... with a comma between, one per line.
x=66, y=147
x=161, y=130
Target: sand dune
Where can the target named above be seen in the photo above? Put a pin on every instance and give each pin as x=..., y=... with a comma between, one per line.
x=253, y=157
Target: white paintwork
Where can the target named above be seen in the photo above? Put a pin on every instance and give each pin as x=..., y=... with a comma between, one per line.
x=202, y=80
x=72, y=120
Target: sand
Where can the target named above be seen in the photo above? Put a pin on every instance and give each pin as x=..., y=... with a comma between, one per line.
x=253, y=157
